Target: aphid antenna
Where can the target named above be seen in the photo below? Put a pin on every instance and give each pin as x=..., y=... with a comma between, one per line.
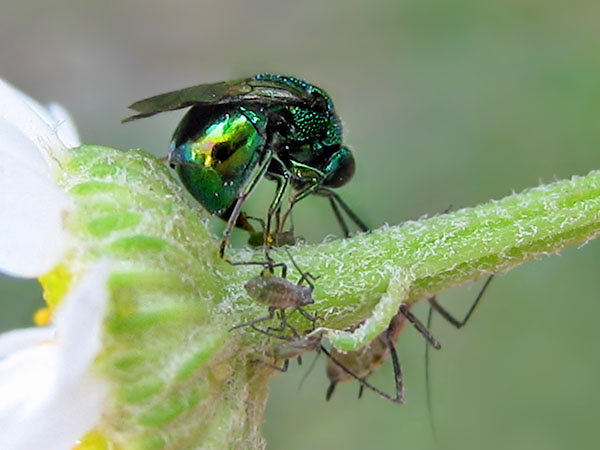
x=304, y=276
x=434, y=305
x=428, y=380
x=253, y=322
x=299, y=345
x=310, y=368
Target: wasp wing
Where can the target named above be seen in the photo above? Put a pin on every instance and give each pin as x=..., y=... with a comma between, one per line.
x=247, y=90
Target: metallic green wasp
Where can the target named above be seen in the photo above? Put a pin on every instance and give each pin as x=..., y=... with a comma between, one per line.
x=238, y=131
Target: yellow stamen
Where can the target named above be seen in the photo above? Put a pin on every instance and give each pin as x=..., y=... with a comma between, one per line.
x=42, y=316
x=94, y=440
x=56, y=284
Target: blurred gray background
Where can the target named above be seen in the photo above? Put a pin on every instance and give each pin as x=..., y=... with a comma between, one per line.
x=444, y=103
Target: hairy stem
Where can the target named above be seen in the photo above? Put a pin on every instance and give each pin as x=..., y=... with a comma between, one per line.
x=180, y=378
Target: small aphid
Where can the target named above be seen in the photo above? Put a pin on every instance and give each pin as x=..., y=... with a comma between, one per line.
x=358, y=365
x=279, y=294
x=293, y=348
x=278, y=238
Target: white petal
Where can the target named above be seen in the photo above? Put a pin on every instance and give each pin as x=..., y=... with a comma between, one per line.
x=48, y=395
x=29, y=117
x=79, y=323
x=13, y=341
x=32, y=235
x=67, y=132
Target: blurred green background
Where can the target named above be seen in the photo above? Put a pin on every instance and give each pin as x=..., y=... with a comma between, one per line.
x=444, y=103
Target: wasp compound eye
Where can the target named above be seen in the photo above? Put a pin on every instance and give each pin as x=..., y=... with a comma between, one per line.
x=341, y=168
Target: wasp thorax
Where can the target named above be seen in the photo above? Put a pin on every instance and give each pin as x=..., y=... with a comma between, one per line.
x=238, y=131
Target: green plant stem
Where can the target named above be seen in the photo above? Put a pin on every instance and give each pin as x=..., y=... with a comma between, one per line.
x=446, y=250
x=180, y=378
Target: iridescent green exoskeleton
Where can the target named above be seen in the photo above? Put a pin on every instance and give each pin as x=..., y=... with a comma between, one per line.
x=238, y=131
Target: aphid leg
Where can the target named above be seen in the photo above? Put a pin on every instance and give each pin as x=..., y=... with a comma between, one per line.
x=446, y=315
x=312, y=319
x=255, y=321
x=268, y=265
x=398, y=398
x=335, y=197
x=283, y=324
x=398, y=381
x=283, y=368
x=273, y=335
x=253, y=181
x=419, y=326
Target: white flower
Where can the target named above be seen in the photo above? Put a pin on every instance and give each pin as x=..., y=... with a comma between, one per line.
x=49, y=396
x=32, y=236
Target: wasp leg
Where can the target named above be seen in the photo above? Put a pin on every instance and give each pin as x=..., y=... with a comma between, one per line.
x=302, y=171
x=449, y=317
x=255, y=321
x=345, y=231
x=334, y=196
x=237, y=209
x=420, y=327
x=282, y=184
